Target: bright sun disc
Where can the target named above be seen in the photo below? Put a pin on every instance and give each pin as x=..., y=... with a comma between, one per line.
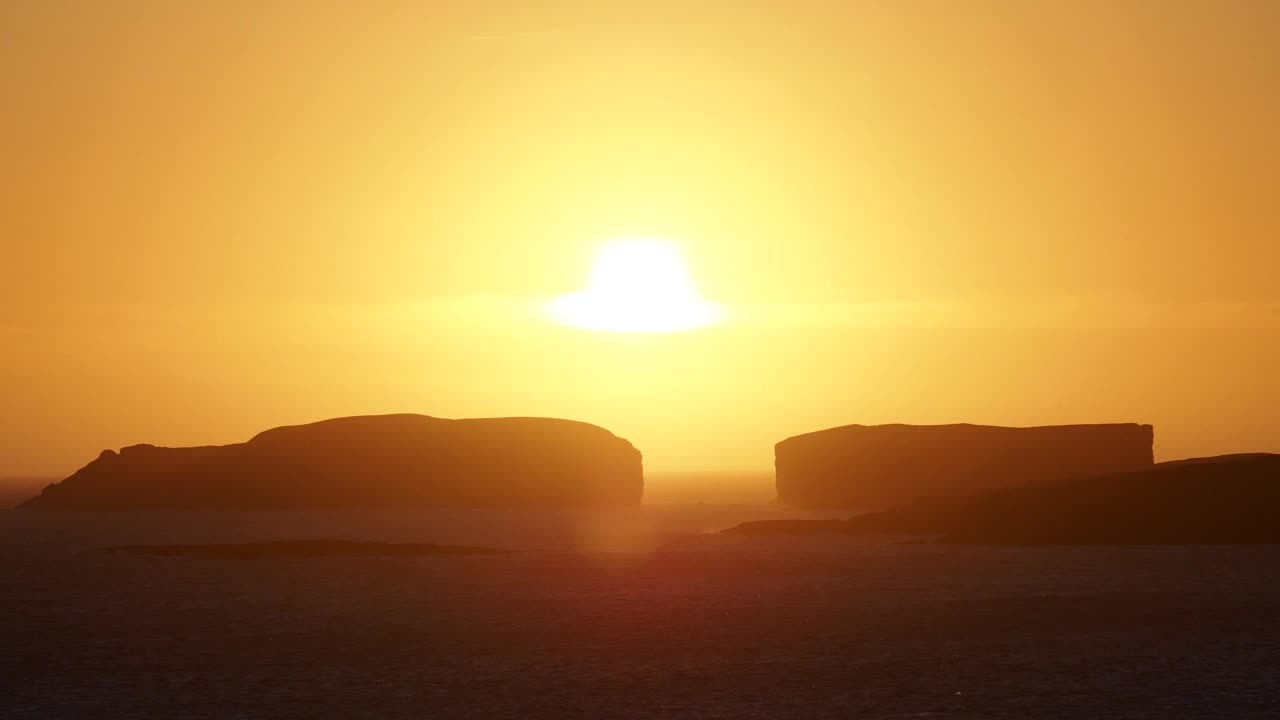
x=638, y=286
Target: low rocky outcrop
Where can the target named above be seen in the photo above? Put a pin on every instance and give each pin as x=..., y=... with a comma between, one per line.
x=368, y=461
x=1219, y=501
x=1214, y=459
x=870, y=467
x=14, y=490
x=303, y=549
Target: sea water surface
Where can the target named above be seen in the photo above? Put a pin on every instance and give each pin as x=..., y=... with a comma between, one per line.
x=644, y=613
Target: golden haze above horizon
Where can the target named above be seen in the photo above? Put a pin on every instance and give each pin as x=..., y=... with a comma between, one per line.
x=224, y=217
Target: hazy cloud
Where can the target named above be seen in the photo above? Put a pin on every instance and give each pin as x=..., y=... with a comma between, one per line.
x=521, y=35
x=1037, y=314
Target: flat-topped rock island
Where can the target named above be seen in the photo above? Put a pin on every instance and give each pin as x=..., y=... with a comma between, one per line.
x=368, y=461
x=874, y=467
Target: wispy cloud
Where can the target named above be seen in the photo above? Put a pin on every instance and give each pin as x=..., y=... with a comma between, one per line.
x=1078, y=313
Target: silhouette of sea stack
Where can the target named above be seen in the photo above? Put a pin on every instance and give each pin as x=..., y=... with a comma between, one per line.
x=1224, y=500
x=881, y=466
x=368, y=461
x=1228, y=500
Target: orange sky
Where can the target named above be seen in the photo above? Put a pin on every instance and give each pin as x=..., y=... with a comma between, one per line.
x=220, y=217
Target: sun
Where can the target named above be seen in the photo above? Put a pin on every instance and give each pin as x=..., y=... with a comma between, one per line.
x=637, y=286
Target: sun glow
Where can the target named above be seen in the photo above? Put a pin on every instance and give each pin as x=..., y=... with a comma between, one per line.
x=637, y=286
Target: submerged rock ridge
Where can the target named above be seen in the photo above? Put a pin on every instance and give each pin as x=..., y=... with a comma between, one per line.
x=1231, y=500
x=303, y=549
x=368, y=461
x=873, y=467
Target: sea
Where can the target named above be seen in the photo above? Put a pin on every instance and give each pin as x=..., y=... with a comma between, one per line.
x=646, y=612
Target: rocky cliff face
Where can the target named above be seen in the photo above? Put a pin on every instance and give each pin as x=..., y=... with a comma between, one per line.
x=881, y=466
x=369, y=461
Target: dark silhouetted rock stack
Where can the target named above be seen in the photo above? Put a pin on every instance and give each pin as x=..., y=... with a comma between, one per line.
x=880, y=466
x=1228, y=500
x=368, y=461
